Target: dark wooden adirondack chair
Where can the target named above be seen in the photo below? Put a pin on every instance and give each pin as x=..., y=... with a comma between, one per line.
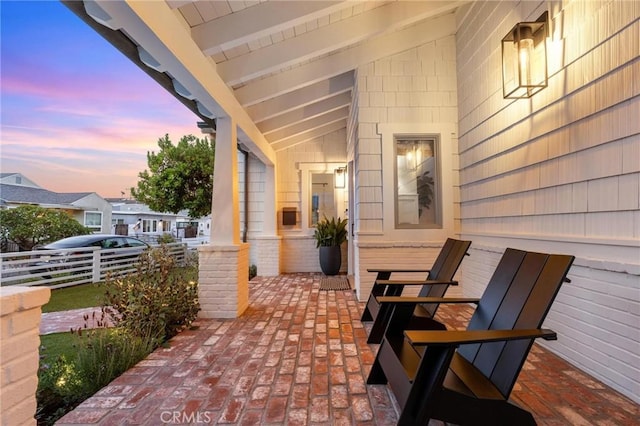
x=438, y=280
x=466, y=377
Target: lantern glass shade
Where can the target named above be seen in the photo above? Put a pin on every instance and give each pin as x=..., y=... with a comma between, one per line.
x=339, y=176
x=524, y=59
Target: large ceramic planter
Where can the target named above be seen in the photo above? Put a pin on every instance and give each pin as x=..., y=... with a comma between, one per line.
x=330, y=260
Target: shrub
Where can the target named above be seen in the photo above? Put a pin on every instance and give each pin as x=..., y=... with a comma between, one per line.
x=29, y=226
x=253, y=271
x=104, y=354
x=159, y=300
x=60, y=389
x=147, y=308
x=166, y=239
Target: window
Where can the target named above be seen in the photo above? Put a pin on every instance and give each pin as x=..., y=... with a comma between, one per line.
x=417, y=182
x=93, y=221
x=149, y=225
x=440, y=138
x=132, y=242
x=112, y=243
x=322, y=197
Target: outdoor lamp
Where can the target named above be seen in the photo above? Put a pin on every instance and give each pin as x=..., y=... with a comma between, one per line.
x=413, y=157
x=339, y=178
x=524, y=58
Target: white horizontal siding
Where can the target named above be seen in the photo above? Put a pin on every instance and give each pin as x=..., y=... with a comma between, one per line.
x=325, y=149
x=560, y=172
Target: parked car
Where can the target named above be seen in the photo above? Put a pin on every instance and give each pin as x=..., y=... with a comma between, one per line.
x=96, y=240
x=64, y=248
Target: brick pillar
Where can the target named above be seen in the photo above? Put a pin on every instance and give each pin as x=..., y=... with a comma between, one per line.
x=223, y=280
x=20, y=313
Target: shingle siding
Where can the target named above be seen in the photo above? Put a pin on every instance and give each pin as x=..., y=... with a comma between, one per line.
x=560, y=172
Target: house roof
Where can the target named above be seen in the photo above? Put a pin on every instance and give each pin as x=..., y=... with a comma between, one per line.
x=284, y=71
x=26, y=194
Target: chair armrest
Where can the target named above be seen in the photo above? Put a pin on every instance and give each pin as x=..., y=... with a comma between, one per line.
x=455, y=338
x=415, y=282
x=408, y=300
x=397, y=270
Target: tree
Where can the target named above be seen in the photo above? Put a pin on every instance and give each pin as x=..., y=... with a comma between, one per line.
x=29, y=226
x=179, y=177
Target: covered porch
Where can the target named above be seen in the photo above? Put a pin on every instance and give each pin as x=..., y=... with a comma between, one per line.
x=370, y=87
x=299, y=356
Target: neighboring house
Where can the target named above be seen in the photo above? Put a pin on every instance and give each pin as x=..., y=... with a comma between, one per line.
x=17, y=179
x=88, y=208
x=380, y=88
x=152, y=223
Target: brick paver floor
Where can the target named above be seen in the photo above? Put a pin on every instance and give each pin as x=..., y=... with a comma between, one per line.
x=299, y=356
x=56, y=322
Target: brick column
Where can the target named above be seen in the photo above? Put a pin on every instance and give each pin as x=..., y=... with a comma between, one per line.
x=223, y=280
x=20, y=313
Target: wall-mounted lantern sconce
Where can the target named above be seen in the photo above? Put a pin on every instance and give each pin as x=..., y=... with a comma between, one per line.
x=413, y=156
x=339, y=177
x=524, y=58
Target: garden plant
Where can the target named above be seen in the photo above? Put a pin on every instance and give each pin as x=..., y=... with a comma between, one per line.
x=146, y=308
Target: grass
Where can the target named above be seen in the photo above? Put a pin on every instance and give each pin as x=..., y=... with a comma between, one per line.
x=76, y=297
x=57, y=344
x=64, y=299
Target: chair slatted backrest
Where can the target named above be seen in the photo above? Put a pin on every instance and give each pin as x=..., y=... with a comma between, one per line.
x=518, y=296
x=443, y=269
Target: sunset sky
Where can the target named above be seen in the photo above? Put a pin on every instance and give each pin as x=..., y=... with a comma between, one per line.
x=76, y=114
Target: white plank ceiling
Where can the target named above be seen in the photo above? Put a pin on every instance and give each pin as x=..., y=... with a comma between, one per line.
x=290, y=64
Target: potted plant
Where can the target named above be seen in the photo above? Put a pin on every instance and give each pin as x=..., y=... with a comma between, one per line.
x=329, y=236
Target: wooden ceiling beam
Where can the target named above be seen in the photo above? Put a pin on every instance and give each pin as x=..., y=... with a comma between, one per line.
x=346, y=60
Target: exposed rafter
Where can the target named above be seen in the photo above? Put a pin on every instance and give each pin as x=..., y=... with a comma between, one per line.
x=229, y=31
x=305, y=112
x=310, y=135
x=346, y=60
x=329, y=38
x=301, y=97
x=308, y=124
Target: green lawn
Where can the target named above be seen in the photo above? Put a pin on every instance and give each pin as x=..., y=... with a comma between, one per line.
x=56, y=344
x=76, y=297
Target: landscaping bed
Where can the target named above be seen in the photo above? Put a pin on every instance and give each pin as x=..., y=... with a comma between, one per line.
x=146, y=308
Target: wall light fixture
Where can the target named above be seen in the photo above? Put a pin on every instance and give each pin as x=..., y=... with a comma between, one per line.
x=339, y=177
x=524, y=58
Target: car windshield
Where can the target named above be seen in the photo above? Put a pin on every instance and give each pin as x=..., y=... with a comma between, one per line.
x=78, y=241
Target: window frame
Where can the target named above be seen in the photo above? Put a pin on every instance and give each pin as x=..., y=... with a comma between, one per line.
x=94, y=228
x=306, y=172
x=434, y=139
x=448, y=136
x=149, y=225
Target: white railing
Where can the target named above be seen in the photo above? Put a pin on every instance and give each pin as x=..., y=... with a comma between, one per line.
x=64, y=268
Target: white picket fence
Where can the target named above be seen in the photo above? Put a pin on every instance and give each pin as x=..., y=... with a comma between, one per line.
x=61, y=268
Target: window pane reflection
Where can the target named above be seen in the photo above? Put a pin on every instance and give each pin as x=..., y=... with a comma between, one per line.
x=416, y=183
